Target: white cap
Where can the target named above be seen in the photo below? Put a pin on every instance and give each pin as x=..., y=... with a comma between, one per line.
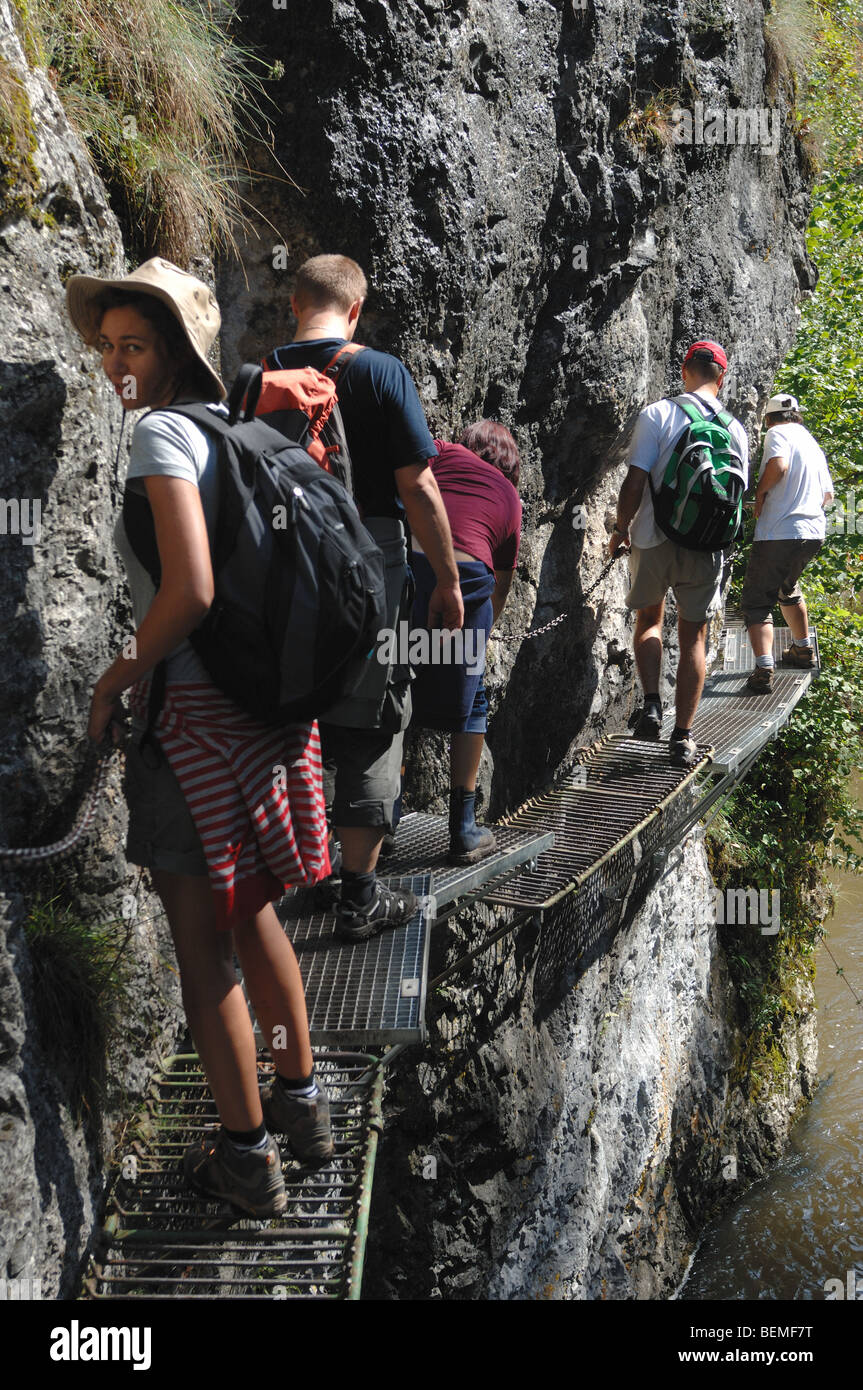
x=777, y=404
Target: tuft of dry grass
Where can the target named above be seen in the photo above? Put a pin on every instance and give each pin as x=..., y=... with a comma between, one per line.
x=166, y=102
x=790, y=44
x=652, y=125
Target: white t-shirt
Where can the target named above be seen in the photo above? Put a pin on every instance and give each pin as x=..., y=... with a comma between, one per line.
x=657, y=430
x=794, y=507
x=174, y=447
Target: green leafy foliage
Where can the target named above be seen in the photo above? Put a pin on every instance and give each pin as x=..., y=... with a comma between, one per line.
x=792, y=818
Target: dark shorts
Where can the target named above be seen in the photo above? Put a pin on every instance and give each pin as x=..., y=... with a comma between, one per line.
x=362, y=775
x=772, y=574
x=451, y=696
x=162, y=833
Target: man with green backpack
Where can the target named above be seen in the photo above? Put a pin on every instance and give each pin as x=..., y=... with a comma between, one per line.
x=680, y=505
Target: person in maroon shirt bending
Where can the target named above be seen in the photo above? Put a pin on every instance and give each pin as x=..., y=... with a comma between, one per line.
x=477, y=478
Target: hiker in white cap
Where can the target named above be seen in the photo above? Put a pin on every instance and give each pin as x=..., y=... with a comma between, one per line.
x=794, y=486
x=190, y=788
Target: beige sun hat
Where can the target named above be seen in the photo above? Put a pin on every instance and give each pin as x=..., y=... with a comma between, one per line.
x=191, y=302
x=777, y=404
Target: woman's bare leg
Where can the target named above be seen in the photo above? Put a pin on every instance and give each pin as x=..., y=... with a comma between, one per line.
x=215, y=1007
x=275, y=988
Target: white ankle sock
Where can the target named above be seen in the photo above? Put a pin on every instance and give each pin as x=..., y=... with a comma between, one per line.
x=765, y=661
x=803, y=641
x=250, y=1148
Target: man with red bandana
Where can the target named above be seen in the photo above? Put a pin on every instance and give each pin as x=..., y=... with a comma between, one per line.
x=658, y=564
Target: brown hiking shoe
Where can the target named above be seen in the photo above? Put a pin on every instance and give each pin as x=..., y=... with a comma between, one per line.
x=305, y=1121
x=251, y=1181
x=761, y=680
x=801, y=657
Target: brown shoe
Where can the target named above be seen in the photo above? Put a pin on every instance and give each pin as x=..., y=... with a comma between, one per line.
x=801, y=657
x=761, y=680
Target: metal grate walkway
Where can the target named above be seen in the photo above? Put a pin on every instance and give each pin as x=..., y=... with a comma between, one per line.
x=367, y=993
x=373, y=993
x=619, y=791
x=731, y=717
x=580, y=858
x=423, y=840
x=161, y=1241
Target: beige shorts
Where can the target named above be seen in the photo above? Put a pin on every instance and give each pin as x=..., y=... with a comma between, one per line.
x=694, y=575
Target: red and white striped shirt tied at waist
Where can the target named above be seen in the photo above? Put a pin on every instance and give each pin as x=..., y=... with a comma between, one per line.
x=262, y=830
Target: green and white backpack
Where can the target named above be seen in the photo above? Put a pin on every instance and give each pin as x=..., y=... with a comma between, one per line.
x=699, y=503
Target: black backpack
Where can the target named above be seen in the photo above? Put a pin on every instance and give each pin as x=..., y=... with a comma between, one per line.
x=300, y=592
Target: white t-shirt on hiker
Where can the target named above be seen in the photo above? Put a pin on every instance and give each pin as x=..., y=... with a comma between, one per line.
x=657, y=430
x=794, y=507
x=170, y=446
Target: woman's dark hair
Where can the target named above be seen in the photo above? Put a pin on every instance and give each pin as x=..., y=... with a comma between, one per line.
x=192, y=379
x=494, y=443
x=783, y=417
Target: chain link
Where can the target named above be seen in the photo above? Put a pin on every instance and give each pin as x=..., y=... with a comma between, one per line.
x=546, y=627
x=40, y=853
x=86, y=816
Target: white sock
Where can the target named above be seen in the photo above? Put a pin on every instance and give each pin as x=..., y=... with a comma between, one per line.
x=250, y=1148
x=300, y=1093
x=803, y=641
x=765, y=661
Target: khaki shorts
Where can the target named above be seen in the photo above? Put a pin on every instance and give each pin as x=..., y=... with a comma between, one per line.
x=772, y=574
x=694, y=575
x=162, y=833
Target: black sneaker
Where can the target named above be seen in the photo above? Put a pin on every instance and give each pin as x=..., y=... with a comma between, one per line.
x=649, y=723
x=389, y=907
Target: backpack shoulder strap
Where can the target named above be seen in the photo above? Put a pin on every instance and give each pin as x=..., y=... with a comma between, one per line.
x=200, y=415
x=342, y=360
x=687, y=403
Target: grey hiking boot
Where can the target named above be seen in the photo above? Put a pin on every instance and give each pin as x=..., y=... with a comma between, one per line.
x=305, y=1122
x=648, y=725
x=251, y=1181
x=683, y=752
x=468, y=842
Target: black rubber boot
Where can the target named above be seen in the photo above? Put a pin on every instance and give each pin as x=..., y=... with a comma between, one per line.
x=468, y=842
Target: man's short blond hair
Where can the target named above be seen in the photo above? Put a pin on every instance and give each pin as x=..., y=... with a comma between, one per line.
x=326, y=282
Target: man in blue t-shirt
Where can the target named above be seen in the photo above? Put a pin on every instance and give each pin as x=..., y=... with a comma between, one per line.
x=390, y=446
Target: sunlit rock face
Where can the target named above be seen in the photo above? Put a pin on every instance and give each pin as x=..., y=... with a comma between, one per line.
x=540, y=249
x=547, y=219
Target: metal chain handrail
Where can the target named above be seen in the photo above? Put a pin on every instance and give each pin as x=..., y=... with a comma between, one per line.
x=40, y=853
x=546, y=627
x=86, y=816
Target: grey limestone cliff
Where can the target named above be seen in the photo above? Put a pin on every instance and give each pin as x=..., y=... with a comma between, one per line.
x=63, y=615
x=540, y=249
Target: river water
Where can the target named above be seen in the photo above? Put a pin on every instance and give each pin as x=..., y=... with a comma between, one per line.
x=802, y=1225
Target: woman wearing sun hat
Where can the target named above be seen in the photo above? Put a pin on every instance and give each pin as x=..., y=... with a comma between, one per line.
x=215, y=872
